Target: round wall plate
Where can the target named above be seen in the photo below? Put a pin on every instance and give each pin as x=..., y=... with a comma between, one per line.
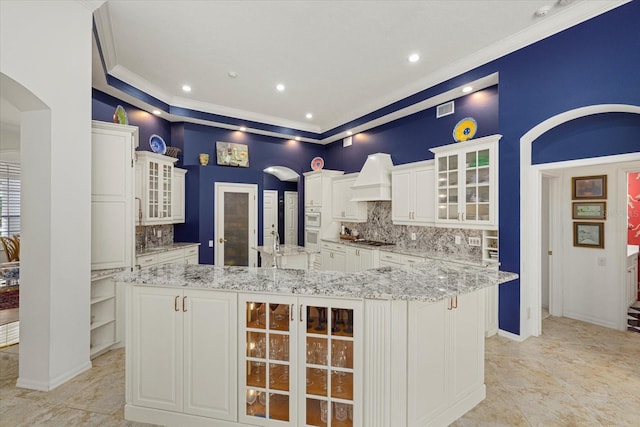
x=317, y=163
x=465, y=129
x=157, y=144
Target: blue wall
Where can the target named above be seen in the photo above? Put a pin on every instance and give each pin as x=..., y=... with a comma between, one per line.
x=596, y=62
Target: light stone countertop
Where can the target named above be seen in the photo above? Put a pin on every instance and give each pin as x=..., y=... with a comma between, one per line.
x=431, y=281
x=285, y=250
x=632, y=250
x=165, y=248
x=99, y=274
x=402, y=250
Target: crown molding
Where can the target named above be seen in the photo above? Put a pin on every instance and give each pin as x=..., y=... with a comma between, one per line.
x=106, y=41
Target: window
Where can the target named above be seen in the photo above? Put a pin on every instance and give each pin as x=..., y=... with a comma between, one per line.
x=9, y=198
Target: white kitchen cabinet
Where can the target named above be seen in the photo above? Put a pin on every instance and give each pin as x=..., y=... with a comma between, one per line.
x=180, y=255
x=181, y=354
x=632, y=279
x=298, y=356
x=103, y=315
x=112, y=195
x=342, y=208
x=178, y=200
x=467, y=183
x=390, y=259
x=445, y=359
x=360, y=259
x=490, y=248
x=155, y=188
x=333, y=255
x=317, y=188
x=412, y=190
x=191, y=255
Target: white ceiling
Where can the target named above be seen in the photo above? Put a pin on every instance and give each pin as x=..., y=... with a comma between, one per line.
x=339, y=60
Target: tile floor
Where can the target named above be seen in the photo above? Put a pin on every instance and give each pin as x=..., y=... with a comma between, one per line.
x=575, y=374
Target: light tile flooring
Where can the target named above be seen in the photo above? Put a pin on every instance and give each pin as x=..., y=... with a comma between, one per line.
x=575, y=374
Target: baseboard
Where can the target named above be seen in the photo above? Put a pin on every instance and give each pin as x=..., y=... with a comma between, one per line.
x=54, y=382
x=511, y=336
x=172, y=419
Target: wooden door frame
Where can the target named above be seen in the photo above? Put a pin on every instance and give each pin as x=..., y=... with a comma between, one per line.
x=219, y=188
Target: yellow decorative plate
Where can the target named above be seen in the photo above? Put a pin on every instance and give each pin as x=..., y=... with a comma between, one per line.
x=465, y=129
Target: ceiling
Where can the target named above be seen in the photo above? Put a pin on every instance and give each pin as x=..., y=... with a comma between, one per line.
x=338, y=60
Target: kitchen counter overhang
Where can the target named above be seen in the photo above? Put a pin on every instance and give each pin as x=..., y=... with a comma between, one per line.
x=431, y=281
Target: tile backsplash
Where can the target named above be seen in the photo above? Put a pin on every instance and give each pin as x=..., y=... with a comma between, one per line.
x=147, y=236
x=379, y=227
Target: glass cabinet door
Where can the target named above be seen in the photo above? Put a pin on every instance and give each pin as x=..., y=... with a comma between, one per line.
x=477, y=185
x=448, y=187
x=153, y=180
x=328, y=365
x=268, y=370
x=167, y=190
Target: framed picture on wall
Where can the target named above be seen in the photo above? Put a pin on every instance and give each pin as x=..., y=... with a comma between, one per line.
x=588, y=234
x=589, y=210
x=589, y=187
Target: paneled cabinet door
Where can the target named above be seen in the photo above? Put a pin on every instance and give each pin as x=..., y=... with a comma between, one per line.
x=360, y=259
x=466, y=182
x=177, y=196
x=342, y=208
x=155, y=188
x=313, y=190
x=183, y=351
x=445, y=356
x=413, y=194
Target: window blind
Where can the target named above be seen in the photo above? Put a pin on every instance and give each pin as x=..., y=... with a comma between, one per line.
x=9, y=198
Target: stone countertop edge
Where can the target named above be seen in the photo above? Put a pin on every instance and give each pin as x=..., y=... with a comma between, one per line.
x=100, y=274
x=440, y=256
x=165, y=248
x=285, y=250
x=433, y=281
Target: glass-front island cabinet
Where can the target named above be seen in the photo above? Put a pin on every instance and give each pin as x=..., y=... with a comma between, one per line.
x=301, y=362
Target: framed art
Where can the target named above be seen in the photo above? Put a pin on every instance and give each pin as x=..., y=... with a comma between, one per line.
x=232, y=154
x=588, y=234
x=589, y=187
x=589, y=210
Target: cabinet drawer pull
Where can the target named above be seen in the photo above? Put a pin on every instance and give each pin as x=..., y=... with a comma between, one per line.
x=175, y=303
x=184, y=308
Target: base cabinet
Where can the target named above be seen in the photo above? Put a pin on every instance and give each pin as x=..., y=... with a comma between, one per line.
x=181, y=354
x=445, y=359
x=360, y=259
x=300, y=361
x=334, y=256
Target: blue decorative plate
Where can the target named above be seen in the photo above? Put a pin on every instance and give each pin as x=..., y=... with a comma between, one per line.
x=120, y=116
x=157, y=144
x=465, y=129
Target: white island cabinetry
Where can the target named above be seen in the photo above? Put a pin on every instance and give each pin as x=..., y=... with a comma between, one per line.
x=181, y=354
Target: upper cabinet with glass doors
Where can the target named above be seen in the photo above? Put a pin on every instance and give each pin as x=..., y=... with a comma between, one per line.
x=159, y=185
x=467, y=183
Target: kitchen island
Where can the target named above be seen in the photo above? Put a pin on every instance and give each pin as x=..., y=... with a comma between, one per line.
x=226, y=346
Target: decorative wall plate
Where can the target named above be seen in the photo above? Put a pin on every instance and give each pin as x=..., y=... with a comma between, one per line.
x=465, y=129
x=317, y=163
x=120, y=116
x=157, y=144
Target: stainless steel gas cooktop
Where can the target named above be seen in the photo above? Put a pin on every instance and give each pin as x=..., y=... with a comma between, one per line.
x=373, y=243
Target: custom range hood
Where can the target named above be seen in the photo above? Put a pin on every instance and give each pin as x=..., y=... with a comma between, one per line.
x=374, y=180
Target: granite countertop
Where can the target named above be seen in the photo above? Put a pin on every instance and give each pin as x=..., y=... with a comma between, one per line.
x=285, y=250
x=165, y=248
x=431, y=281
x=99, y=274
x=432, y=255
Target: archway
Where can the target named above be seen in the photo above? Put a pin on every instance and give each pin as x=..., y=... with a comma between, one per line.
x=531, y=185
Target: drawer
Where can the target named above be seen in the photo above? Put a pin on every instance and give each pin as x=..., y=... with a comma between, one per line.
x=400, y=258
x=191, y=251
x=176, y=255
x=146, y=260
x=336, y=247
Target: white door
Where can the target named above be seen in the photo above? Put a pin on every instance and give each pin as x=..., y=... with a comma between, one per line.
x=269, y=216
x=291, y=218
x=236, y=223
x=112, y=211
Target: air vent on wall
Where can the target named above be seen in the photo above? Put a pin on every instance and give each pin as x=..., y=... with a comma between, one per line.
x=444, y=109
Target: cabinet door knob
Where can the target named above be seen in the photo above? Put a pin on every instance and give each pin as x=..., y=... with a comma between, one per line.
x=221, y=240
x=175, y=303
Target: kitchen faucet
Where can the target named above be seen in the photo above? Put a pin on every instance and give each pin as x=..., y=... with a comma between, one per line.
x=276, y=247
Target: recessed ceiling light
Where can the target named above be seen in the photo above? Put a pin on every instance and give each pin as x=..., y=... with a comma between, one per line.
x=349, y=133
x=157, y=112
x=232, y=74
x=280, y=87
x=414, y=57
x=242, y=129
x=309, y=116
x=297, y=138
x=186, y=88
x=467, y=89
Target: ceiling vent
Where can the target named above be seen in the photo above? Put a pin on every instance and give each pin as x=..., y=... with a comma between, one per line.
x=444, y=109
